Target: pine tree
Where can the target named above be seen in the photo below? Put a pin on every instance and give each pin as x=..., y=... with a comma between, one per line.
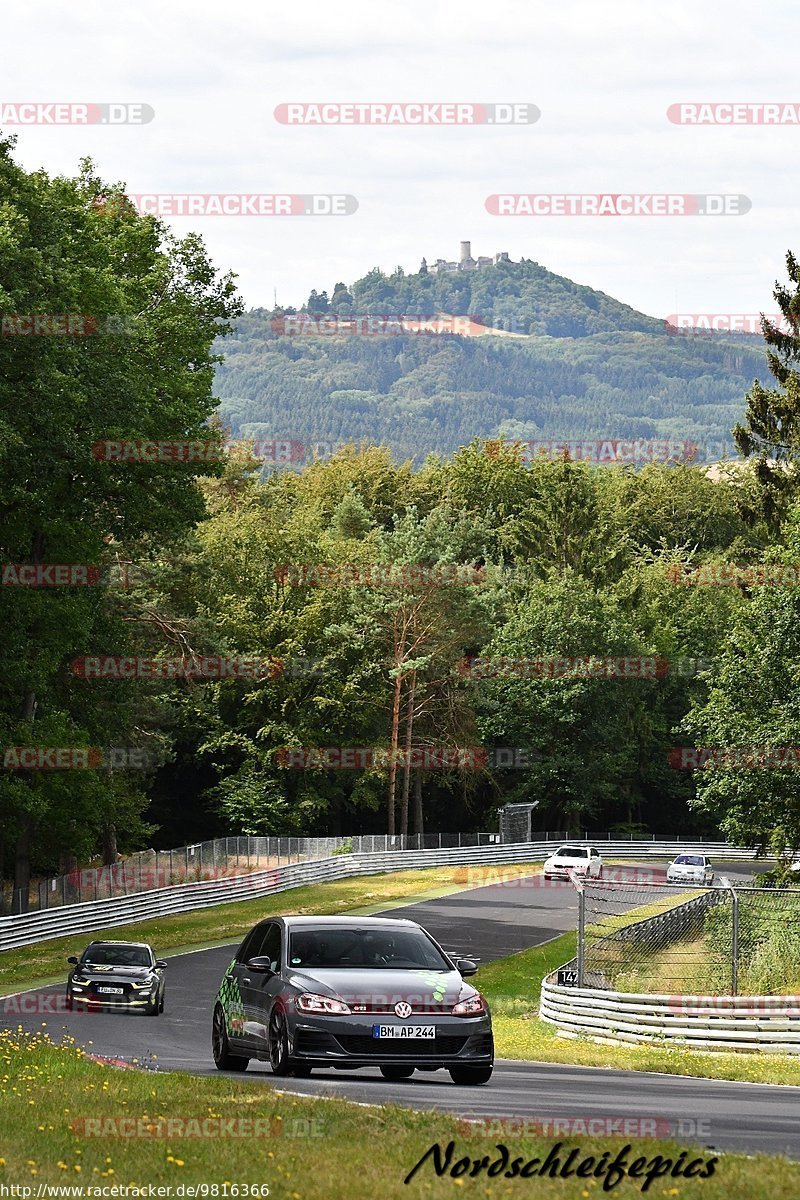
x=772, y=431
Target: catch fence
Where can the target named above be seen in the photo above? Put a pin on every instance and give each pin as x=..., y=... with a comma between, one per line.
x=649, y=937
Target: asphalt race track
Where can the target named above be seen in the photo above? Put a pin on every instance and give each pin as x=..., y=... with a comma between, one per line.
x=484, y=923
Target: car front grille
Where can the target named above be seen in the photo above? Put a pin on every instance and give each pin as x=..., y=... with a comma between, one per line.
x=411, y=1047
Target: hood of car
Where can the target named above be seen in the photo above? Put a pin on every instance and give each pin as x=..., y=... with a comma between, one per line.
x=103, y=971
x=385, y=987
x=563, y=860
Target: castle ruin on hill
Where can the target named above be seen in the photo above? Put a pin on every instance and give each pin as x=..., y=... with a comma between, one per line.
x=466, y=262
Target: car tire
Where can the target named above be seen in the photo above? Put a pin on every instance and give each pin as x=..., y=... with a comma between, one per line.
x=221, y=1047
x=161, y=1002
x=279, y=1044
x=470, y=1075
x=393, y=1073
x=152, y=1010
x=278, y=1041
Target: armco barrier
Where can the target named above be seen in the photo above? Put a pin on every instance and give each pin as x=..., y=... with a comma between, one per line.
x=28, y=928
x=755, y=1023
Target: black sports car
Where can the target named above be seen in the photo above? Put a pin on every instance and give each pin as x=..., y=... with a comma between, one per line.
x=117, y=975
x=305, y=992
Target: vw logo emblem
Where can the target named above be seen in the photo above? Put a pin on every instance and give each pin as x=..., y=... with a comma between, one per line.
x=402, y=1009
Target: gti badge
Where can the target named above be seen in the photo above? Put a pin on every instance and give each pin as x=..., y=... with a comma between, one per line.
x=402, y=1009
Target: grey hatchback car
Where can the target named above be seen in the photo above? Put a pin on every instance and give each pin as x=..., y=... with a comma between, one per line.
x=344, y=992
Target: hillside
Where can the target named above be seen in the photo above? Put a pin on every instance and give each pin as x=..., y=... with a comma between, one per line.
x=580, y=366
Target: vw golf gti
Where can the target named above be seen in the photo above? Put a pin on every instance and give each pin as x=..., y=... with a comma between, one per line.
x=306, y=992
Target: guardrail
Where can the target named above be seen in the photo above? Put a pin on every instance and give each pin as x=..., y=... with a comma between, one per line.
x=147, y=870
x=755, y=1023
x=28, y=928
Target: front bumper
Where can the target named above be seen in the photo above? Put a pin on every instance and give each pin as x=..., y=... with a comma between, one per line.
x=129, y=1000
x=348, y=1041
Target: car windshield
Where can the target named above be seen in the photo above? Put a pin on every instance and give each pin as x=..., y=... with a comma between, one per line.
x=116, y=956
x=381, y=949
x=689, y=860
x=572, y=852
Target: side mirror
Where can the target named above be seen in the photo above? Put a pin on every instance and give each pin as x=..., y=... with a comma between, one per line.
x=72, y=959
x=465, y=966
x=261, y=964
x=161, y=962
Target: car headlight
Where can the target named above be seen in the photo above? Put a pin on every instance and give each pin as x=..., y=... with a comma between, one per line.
x=470, y=1008
x=148, y=983
x=310, y=1002
x=79, y=982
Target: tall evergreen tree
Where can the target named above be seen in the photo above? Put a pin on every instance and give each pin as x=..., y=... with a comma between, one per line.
x=771, y=433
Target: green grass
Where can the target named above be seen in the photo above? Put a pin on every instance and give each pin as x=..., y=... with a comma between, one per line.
x=308, y=1149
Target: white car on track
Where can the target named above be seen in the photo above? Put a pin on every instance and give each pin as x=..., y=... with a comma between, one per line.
x=691, y=868
x=584, y=860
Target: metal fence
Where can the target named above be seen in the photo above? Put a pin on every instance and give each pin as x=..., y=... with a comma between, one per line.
x=28, y=928
x=226, y=857
x=221, y=858
x=649, y=937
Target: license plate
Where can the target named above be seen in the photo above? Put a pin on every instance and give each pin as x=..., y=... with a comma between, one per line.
x=109, y=991
x=404, y=1031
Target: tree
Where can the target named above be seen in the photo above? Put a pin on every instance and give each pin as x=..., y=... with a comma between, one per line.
x=583, y=733
x=140, y=367
x=771, y=434
x=753, y=708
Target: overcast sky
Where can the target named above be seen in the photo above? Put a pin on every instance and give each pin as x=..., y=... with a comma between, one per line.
x=602, y=74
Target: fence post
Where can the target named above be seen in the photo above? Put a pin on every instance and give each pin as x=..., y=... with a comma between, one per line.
x=581, y=932
x=726, y=883
x=735, y=945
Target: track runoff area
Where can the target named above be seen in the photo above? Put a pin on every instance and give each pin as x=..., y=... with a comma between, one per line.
x=484, y=923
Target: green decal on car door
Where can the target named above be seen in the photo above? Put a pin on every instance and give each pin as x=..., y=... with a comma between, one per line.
x=231, y=1000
